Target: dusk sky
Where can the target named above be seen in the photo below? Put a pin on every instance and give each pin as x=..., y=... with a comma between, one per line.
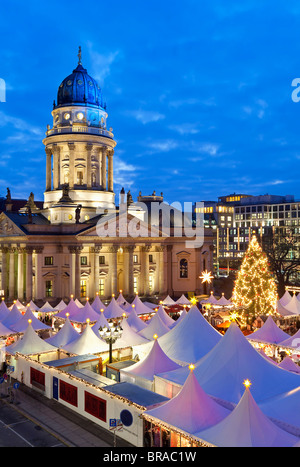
x=199, y=93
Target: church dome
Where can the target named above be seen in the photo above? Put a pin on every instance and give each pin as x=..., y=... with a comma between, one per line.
x=79, y=88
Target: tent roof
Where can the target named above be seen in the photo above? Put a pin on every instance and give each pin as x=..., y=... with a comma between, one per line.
x=168, y=301
x=30, y=344
x=22, y=324
x=87, y=312
x=285, y=299
x=223, y=301
x=191, y=410
x=183, y=301
x=78, y=303
x=113, y=310
x=292, y=341
x=282, y=408
x=288, y=364
x=154, y=326
x=247, y=426
x=13, y=317
x=269, y=333
x=230, y=362
x=100, y=323
x=20, y=305
x=33, y=306
x=181, y=317
x=4, y=311
x=164, y=316
x=293, y=306
x=71, y=309
x=211, y=299
x=5, y=331
x=66, y=334
x=121, y=301
x=154, y=363
x=61, y=306
x=98, y=304
x=136, y=323
x=47, y=308
x=86, y=342
x=129, y=337
x=140, y=307
x=282, y=310
x=192, y=338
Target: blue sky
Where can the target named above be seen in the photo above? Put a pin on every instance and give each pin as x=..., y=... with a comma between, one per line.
x=198, y=92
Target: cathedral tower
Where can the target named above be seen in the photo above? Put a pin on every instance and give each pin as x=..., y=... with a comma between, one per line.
x=79, y=151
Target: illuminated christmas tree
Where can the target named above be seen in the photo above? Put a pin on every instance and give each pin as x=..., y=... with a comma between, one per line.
x=255, y=290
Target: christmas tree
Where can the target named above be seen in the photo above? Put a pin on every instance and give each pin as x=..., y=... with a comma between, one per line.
x=255, y=290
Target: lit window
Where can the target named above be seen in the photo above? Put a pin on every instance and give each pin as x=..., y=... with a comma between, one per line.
x=183, y=268
x=49, y=288
x=48, y=260
x=101, y=286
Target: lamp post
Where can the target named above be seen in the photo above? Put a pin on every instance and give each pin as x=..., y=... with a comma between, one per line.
x=110, y=335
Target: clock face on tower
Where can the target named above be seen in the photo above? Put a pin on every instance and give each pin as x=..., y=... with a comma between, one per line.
x=67, y=116
x=80, y=116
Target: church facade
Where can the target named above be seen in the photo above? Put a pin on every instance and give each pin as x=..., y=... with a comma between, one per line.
x=78, y=241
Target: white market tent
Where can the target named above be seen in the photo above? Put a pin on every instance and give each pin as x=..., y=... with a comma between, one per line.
x=293, y=306
x=247, y=426
x=129, y=337
x=231, y=361
x=165, y=317
x=292, y=341
x=22, y=324
x=61, y=306
x=269, y=333
x=191, y=339
x=284, y=409
x=182, y=315
x=122, y=302
x=33, y=306
x=98, y=304
x=168, y=301
x=84, y=314
x=20, y=305
x=223, y=301
x=78, y=303
x=29, y=344
x=140, y=307
x=288, y=364
x=183, y=301
x=100, y=323
x=155, y=326
x=113, y=310
x=4, y=311
x=211, y=299
x=13, y=317
x=136, y=323
x=285, y=299
x=71, y=309
x=191, y=410
x=47, y=308
x=65, y=335
x=142, y=373
x=86, y=343
x=283, y=311
x=5, y=332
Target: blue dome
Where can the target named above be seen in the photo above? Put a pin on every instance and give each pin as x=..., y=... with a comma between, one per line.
x=79, y=88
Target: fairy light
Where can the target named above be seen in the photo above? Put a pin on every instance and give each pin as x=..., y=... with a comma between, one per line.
x=255, y=290
x=155, y=336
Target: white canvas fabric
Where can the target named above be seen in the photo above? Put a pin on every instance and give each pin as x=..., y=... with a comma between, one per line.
x=66, y=334
x=269, y=333
x=30, y=344
x=86, y=343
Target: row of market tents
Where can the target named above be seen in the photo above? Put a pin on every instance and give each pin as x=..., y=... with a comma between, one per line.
x=208, y=402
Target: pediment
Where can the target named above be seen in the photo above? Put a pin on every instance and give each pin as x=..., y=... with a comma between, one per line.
x=122, y=226
x=8, y=228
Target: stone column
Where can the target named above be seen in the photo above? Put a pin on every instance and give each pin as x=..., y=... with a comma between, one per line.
x=145, y=269
x=71, y=164
x=4, y=270
x=20, y=284
x=77, y=271
x=96, y=250
x=104, y=154
x=99, y=156
x=170, y=270
x=161, y=275
x=29, y=251
x=89, y=148
x=48, y=169
x=113, y=266
x=39, y=292
x=72, y=270
x=56, y=167
x=110, y=172
x=11, y=277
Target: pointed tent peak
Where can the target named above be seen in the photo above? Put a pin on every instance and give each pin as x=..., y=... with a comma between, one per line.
x=155, y=326
x=4, y=310
x=288, y=364
x=13, y=317
x=86, y=342
x=113, y=310
x=66, y=334
x=168, y=301
x=30, y=344
x=97, y=304
x=164, y=316
x=247, y=426
x=28, y=318
x=136, y=323
x=286, y=298
x=269, y=332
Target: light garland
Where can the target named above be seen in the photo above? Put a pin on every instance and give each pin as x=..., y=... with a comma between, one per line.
x=255, y=290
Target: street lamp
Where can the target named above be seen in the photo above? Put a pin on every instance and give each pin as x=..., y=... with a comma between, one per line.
x=110, y=335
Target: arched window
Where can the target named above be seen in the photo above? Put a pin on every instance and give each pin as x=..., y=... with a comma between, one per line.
x=183, y=268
